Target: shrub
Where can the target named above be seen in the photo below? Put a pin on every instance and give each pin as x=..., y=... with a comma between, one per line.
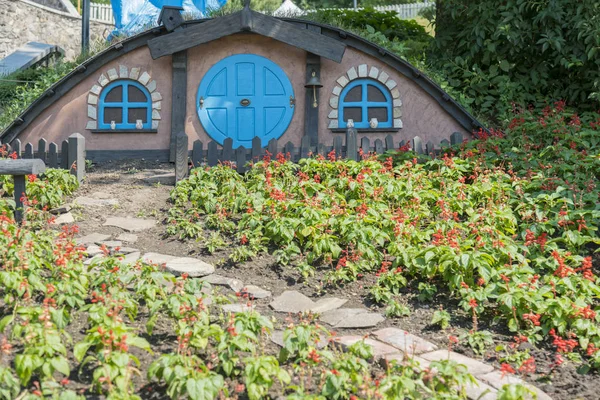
x=522, y=51
x=386, y=22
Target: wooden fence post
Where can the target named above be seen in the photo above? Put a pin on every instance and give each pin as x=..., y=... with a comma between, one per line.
x=240, y=159
x=76, y=158
x=197, y=153
x=305, y=146
x=456, y=138
x=212, y=155
x=64, y=154
x=337, y=146
x=53, y=155
x=351, y=150
x=181, y=156
x=16, y=146
x=41, y=153
x=227, y=150
x=28, y=154
x=256, y=153
x=272, y=147
x=379, y=146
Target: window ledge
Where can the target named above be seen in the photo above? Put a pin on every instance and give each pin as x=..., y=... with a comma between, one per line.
x=367, y=130
x=124, y=130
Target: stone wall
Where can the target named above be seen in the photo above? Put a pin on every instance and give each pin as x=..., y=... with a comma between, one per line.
x=23, y=21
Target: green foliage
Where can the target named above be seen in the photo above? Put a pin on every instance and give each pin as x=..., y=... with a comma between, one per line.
x=19, y=90
x=404, y=37
x=532, y=191
x=521, y=51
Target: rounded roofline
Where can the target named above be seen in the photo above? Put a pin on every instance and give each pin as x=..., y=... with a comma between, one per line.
x=96, y=62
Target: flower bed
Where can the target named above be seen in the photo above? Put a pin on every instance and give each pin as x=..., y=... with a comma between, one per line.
x=505, y=225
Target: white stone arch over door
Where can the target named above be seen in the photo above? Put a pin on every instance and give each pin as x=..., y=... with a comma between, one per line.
x=360, y=72
x=124, y=72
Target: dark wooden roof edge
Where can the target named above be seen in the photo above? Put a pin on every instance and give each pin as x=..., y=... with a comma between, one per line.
x=95, y=63
x=248, y=21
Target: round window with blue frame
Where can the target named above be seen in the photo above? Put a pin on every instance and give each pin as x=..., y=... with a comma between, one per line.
x=122, y=104
x=365, y=99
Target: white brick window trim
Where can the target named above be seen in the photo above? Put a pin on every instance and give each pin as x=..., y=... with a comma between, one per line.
x=123, y=72
x=360, y=72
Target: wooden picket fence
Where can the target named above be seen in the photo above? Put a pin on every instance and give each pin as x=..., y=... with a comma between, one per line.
x=70, y=155
x=214, y=153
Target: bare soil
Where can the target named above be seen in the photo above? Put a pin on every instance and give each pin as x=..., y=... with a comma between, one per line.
x=124, y=182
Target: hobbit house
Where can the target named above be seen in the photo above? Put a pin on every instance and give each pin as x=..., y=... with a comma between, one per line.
x=239, y=77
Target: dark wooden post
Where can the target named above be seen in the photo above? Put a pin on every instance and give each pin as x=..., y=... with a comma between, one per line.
x=311, y=113
x=178, y=96
x=351, y=150
x=41, y=154
x=456, y=138
x=16, y=146
x=64, y=154
x=18, y=169
x=53, y=155
x=85, y=27
x=181, y=156
x=197, y=153
x=76, y=157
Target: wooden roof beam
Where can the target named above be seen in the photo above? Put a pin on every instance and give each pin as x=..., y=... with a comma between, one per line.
x=247, y=21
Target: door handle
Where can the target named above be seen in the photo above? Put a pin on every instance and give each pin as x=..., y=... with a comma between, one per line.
x=245, y=102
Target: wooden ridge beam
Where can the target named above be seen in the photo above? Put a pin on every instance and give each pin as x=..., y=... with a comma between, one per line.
x=247, y=21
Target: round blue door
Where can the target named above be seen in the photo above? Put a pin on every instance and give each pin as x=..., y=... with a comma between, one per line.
x=245, y=96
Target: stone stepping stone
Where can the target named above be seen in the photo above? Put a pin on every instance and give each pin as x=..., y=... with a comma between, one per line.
x=237, y=308
x=255, y=292
x=163, y=179
x=351, y=318
x=234, y=284
x=475, y=367
x=191, y=266
x=404, y=341
x=497, y=379
x=130, y=224
x=92, y=238
x=61, y=210
x=94, y=259
x=64, y=219
x=92, y=202
x=292, y=301
x=131, y=258
x=157, y=258
x=328, y=304
x=93, y=250
x=110, y=243
x=127, y=237
x=380, y=350
x=480, y=391
x=277, y=338
x=125, y=250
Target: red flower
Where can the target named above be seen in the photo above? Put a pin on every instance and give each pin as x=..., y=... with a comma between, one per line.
x=506, y=369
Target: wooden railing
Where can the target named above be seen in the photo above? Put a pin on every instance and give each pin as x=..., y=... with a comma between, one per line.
x=351, y=148
x=70, y=156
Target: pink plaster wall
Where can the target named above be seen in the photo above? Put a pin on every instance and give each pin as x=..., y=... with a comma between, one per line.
x=421, y=115
x=69, y=113
x=201, y=58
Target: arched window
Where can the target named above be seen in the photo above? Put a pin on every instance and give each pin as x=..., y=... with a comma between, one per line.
x=365, y=99
x=125, y=102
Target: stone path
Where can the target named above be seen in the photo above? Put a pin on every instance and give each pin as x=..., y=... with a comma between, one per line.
x=388, y=344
